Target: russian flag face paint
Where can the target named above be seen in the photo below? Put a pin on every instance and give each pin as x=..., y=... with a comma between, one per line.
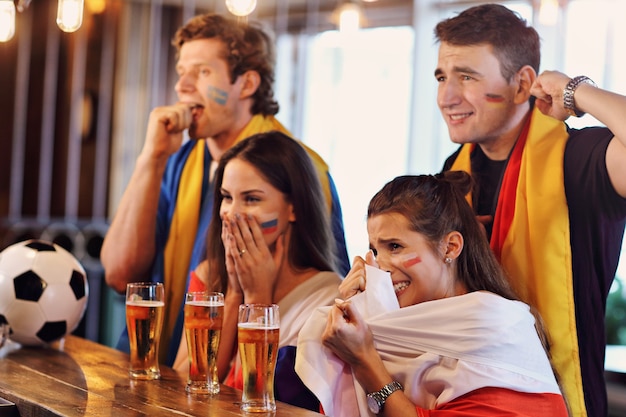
x=217, y=95
x=269, y=223
x=409, y=260
x=269, y=226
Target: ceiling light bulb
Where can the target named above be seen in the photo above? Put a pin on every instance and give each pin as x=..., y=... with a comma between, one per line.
x=96, y=6
x=549, y=12
x=349, y=17
x=22, y=5
x=70, y=14
x=7, y=20
x=241, y=8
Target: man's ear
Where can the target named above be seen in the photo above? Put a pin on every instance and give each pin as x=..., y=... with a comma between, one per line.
x=250, y=83
x=524, y=78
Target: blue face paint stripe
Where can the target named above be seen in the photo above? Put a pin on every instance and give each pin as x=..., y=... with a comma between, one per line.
x=217, y=95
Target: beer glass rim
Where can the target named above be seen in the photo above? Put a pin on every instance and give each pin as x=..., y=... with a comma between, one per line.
x=205, y=292
x=143, y=284
x=146, y=291
x=210, y=296
x=260, y=305
x=257, y=310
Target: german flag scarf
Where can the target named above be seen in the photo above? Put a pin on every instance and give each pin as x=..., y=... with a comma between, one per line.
x=531, y=237
x=184, y=224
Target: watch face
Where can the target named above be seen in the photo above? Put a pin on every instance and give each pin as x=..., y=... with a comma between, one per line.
x=373, y=405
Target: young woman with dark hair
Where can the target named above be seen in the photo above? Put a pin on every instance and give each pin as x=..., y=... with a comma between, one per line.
x=269, y=242
x=458, y=342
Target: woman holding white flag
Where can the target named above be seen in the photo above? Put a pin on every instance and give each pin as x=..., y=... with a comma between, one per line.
x=458, y=343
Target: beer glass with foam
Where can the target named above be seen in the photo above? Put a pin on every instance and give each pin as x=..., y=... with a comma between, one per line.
x=144, y=319
x=204, y=313
x=257, y=334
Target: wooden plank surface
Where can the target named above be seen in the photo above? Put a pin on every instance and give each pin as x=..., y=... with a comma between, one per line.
x=77, y=377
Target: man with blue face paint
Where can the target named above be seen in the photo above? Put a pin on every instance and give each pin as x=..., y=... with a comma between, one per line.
x=225, y=91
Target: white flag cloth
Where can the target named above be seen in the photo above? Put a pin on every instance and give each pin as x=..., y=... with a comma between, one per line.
x=439, y=350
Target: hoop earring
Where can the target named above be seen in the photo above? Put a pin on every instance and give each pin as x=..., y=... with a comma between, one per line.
x=448, y=260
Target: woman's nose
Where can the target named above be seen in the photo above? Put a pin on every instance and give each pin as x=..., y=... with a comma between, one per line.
x=235, y=208
x=382, y=261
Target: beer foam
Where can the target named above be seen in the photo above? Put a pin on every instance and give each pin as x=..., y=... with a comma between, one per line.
x=145, y=303
x=205, y=303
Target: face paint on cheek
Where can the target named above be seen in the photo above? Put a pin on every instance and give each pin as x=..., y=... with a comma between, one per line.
x=409, y=260
x=217, y=95
x=494, y=98
x=269, y=227
x=269, y=223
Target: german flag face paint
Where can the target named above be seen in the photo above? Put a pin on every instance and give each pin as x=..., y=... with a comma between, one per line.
x=494, y=98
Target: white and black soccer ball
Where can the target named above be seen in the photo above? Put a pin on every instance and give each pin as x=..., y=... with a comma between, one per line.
x=43, y=292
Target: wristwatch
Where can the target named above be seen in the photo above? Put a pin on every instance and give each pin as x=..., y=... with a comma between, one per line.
x=568, y=94
x=376, y=400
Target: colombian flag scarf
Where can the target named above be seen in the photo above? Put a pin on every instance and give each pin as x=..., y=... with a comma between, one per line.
x=184, y=224
x=531, y=238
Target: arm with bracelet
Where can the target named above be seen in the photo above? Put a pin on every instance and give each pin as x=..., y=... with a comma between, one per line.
x=560, y=97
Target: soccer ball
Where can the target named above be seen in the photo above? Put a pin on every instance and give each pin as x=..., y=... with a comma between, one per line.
x=43, y=292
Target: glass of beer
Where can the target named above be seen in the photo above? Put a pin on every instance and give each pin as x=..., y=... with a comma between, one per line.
x=257, y=333
x=144, y=320
x=204, y=313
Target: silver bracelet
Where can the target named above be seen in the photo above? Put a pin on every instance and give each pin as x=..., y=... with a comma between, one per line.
x=568, y=94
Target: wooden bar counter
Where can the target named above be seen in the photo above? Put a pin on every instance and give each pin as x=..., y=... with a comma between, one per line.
x=77, y=377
